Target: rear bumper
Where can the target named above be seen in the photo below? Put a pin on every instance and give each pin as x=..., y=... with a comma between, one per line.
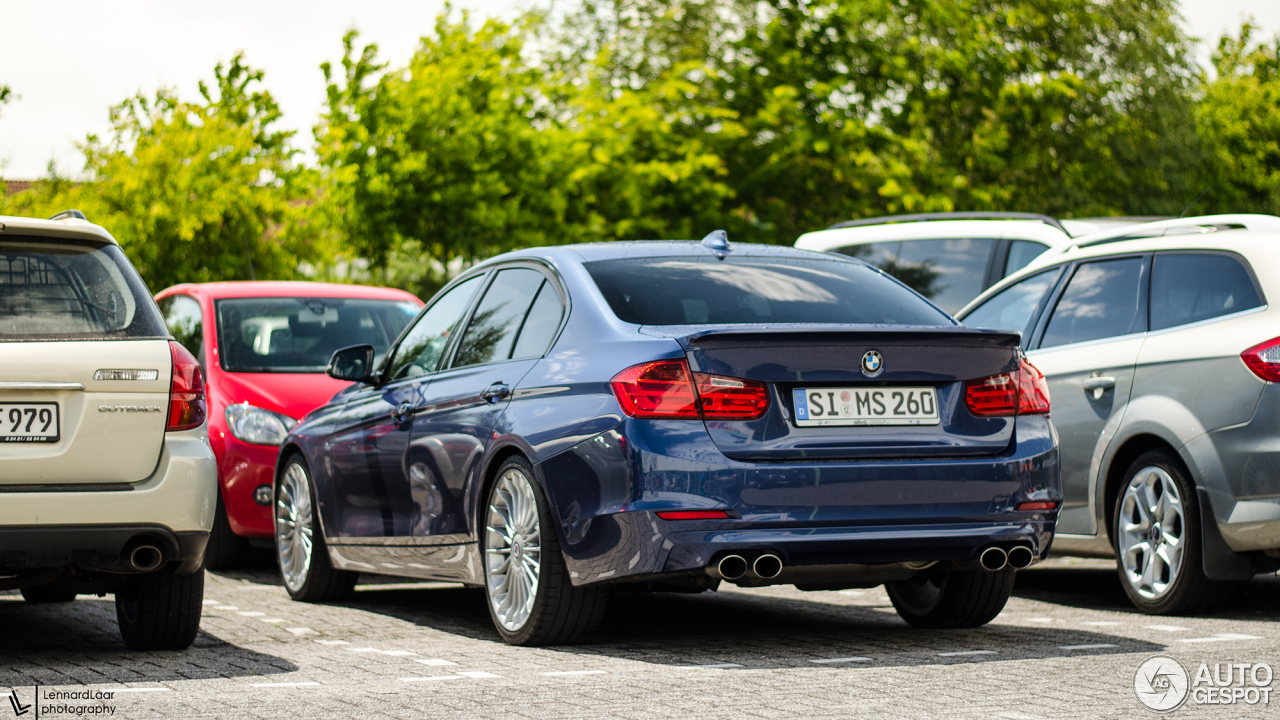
x=607, y=490
x=179, y=496
x=96, y=547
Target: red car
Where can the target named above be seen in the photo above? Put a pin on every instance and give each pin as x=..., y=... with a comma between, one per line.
x=264, y=347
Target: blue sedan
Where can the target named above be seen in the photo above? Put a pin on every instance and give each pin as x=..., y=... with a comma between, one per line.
x=562, y=421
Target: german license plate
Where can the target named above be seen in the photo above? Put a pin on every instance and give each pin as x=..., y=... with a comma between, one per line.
x=866, y=406
x=28, y=422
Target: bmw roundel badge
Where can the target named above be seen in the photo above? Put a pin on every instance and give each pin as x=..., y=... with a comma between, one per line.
x=872, y=363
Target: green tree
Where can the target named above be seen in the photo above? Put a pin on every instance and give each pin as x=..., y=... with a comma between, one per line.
x=1238, y=119
x=453, y=157
x=194, y=192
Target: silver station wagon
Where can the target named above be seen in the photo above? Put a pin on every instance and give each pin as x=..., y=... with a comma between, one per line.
x=1163, y=361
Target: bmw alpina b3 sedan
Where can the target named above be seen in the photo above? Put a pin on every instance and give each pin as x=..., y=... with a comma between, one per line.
x=561, y=420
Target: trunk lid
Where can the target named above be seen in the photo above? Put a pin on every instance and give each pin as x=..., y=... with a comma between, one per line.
x=111, y=431
x=829, y=359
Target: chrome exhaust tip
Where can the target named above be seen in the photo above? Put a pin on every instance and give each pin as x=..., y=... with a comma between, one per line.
x=993, y=559
x=146, y=558
x=1020, y=556
x=767, y=566
x=732, y=567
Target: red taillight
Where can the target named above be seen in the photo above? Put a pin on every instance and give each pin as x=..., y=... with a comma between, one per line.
x=665, y=389
x=1024, y=392
x=186, y=391
x=694, y=515
x=726, y=398
x=1264, y=360
x=1047, y=505
x=659, y=389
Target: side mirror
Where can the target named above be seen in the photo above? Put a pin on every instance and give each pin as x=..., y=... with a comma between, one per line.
x=353, y=363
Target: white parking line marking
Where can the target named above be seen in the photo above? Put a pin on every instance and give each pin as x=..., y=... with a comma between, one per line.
x=251, y=613
x=1095, y=646
x=399, y=653
x=574, y=672
x=712, y=666
x=302, y=631
x=1100, y=623
x=967, y=652
x=436, y=677
x=226, y=607
x=363, y=650
x=851, y=592
x=839, y=660
x=1221, y=637
x=1039, y=619
x=333, y=642
x=293, y=684
x=1166, y=628
x=133, y=690
x=476, y=674
x=436, y=661
x=211, y=602
x=271, y=620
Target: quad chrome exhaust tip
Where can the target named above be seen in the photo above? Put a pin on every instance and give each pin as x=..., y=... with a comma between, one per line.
x=993, y=559
x=767, y=566
x=1020, y=556
x=732, y=567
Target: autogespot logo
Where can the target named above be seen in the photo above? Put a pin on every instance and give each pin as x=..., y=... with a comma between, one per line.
x=1163, y=684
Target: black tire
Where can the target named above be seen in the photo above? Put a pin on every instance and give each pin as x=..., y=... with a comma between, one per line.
x=561, y=613
x=225, y=550
x=1190, y=591
x=951, y=599
x=321, y=581
x=54, y=592
x=160, y=610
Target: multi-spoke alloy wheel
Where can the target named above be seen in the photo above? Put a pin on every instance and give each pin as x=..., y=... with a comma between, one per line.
x=1152, y=526
x=1159, y=539
x=513, y=549
x=304, y=559
x=293, y=527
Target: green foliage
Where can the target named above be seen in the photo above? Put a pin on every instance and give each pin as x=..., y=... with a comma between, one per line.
x=1238, y=121
x=194, y=192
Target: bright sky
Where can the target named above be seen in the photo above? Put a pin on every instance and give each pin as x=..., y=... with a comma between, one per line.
x=68, y=61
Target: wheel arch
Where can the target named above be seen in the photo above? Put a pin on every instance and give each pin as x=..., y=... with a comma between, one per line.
x=1124, y=455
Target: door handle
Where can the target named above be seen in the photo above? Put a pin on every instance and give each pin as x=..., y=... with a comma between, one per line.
x=495, y=392
x=402, y=411
x=1099, y=383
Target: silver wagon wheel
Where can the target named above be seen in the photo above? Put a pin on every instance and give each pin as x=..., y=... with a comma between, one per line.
x=1152, y=529
x=293, y=526
x=513, y=549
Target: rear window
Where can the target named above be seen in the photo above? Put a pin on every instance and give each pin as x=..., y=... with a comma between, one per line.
x=692, y=290
x=52, y=290
x=300, y=335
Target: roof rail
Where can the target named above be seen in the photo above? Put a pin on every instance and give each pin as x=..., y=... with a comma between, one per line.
x=935, y=217
x=69, y=215
x=1182, y=226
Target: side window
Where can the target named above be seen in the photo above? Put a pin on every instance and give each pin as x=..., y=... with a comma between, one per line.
x=948, y=271
x=878, y=254
x=1021, y=253
x=1189, y=287
x=425, y=342
x=182, y=316
x=1014, y=308
x=491, y=335
x=541, y=325
x=1102, y=300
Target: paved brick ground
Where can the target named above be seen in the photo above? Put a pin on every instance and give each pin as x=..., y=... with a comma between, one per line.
x=1066, y=646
